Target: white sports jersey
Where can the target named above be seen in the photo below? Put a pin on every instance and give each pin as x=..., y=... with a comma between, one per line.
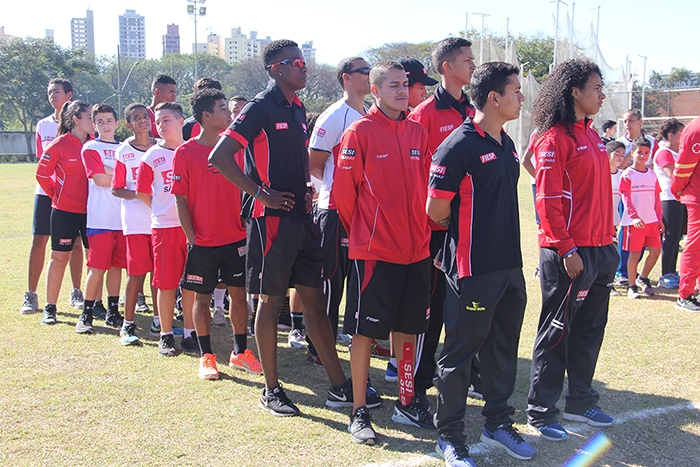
x=616, y=197
x=644, y=190
x=135, y=214
x=46, y=130
x=326, y=137
x=155, y=175
x=628, y=147
x=664, y=156
x=103, y=208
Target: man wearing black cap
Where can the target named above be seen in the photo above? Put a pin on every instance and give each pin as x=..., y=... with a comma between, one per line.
x=418, y=79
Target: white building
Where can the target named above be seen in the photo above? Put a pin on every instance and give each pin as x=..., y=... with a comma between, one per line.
x=132, y=35
x=82, y=32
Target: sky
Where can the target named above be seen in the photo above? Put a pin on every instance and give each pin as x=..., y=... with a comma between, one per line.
x=628, y=28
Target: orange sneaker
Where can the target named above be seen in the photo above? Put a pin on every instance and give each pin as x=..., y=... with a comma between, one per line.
x=207, y=367
x=246, y=361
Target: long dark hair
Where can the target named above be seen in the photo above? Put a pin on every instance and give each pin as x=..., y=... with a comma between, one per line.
x=554, y=103
x=68, y=111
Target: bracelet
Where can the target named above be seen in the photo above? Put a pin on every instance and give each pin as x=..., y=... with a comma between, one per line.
x=570, y=253
x=257, y=193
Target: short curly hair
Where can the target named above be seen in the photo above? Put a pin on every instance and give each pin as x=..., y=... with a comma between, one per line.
x=555, y=104
x=274, y=49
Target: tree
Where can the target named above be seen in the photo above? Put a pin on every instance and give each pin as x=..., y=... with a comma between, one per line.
x=248, y=78
x=538, y=50
x=322, y=87
x=397, y=50
x=27, y=67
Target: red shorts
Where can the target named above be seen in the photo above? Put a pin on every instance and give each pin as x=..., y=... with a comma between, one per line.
x=139, y=254
x=169, y=256
x=637, y=239
x=107, y=250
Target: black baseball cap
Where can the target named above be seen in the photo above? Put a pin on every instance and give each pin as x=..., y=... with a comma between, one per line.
x=416, y=72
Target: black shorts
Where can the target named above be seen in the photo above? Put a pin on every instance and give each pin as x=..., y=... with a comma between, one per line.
x=41, y=222
x=65, y=228
x=282, y=253
x=206, y=265
x=385, y=297
x=334, y=241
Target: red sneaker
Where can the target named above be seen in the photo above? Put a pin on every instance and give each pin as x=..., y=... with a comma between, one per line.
x=207, y=367
x=246, y=361
x=379, y=349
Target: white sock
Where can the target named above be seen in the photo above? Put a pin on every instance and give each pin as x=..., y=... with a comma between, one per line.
x=187, y=332
x=392, y=360
x=219, y=298
x=126, y=323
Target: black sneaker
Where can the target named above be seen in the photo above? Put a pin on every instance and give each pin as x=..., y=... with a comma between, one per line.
x=689, y=304
x=49, y=315
x=98, y=310
x=341, y=396
x=277, y=403
x=190, y=344
x=416, y=413
x=84, y=325
x=166, y=346
x=361, y=427
x=114, y=320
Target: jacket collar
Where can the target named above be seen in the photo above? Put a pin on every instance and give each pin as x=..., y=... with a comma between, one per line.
x=278, y=95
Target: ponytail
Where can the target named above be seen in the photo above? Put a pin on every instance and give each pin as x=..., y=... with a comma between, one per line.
x=69, y=110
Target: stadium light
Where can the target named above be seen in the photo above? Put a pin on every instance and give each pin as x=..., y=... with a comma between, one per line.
x=194, y=13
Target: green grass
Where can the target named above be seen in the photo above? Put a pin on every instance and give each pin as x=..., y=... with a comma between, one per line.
x=71, y=400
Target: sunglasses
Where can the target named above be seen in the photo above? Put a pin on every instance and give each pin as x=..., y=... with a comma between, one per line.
x=298, y=62
x=364, y=70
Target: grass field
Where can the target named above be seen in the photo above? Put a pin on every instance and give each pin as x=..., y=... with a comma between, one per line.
x=76, y=400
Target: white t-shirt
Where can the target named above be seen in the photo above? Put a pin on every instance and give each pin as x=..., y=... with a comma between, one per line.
x=46, y=130
x=155, y=175
x=664, y=157
x=103, y=208
x=326, y=138
x=135, y=214
x=616, y=197
x=644, y=191
x=628, y=147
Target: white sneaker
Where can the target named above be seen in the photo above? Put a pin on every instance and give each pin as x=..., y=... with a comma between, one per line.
x=219, y=318
x=296, y=340
x=141, y=305
x=343, y=338
x=76, y=298
x=31, y=303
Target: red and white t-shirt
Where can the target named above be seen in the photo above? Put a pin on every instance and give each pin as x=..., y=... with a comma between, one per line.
x=135, y=214
x=46, y=130
x=214, y=202
x=326, y=138
x=663, y=158
x=103, y=208
x=61, y=174
x=616, y=197
x=640, y=194
x=155, y=176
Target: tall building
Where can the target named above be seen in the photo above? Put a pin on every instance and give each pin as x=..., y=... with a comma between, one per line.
x=49, y=34
x=236, y=46
x=171, y=40
x=132, y=35
x=255, y=45
x=82, y=32
x=308, y=51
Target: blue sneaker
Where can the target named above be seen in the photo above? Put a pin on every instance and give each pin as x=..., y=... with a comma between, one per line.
x=553, y=432
x=668, y=281
x=508, y=438
x=392, y=373
x=155, y=330
x=455, y=455
x=593, y=416
x=127, y=335
x=99, y=311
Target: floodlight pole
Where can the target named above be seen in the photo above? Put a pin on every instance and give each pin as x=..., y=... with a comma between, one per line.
x=644, y=83
x=481, y=39
x=194, y=12
x=556, y=31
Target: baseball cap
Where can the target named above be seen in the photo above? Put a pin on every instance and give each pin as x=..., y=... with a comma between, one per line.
x=416, y=72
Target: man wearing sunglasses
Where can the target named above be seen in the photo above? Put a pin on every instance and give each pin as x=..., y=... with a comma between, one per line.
x=284, y=245
x=353, y=77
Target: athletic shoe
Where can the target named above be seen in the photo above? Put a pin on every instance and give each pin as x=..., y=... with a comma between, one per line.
x=277, y=403
x=689, y=304
x=84, y=325
x=245, y=361
x=207, y=367
x=190, y=344
x=166, y=346
x=296, y=340
x=508, y=438
x=114, y=319
x=593, y=416
x=676, y=277
x=416, y=413
x=392, y=373
x=341, y=396
x=31, y=303
x=99, y=311
x=455, y=455
x=360, y=427
x=49, y=314
x=180, y=316
x=614, y=292
x=633, y=292
x=122, y=299
x=284, y=322
x=76, y=298
x=667, y=281
x=344, y=339
x=621, y=280
x=251, y=326
x=155, y=330
x=315, y=359
x=219, y=318
x=553, y=432
x=141, y=305
x=475, y=391
x=379, y=350
x=127, y=335
x=644, y=285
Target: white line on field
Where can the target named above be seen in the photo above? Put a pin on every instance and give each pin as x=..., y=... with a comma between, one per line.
x=572, y=427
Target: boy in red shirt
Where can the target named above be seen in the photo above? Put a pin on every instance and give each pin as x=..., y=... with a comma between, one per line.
x=209, y=209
